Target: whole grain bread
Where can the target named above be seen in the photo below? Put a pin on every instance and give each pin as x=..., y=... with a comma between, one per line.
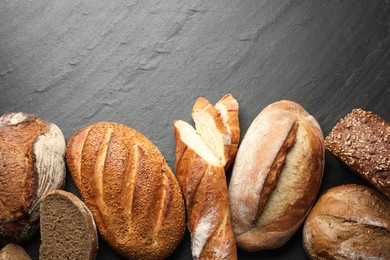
x=361, y=141
x=32, y=163
x=348, y=222
x=132, y=193
x=276, y=176
x=67, y=228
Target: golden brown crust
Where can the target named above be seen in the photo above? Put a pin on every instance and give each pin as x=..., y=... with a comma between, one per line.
x=276, y=176
x=348, y=222
x=13, y=252
x=131, y=191
x=361, y=141
x=229, y=109
x=205, y=191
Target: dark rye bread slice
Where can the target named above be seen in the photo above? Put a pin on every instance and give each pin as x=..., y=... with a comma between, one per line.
x=361, y=140
x=13, y=252
x=68, y=230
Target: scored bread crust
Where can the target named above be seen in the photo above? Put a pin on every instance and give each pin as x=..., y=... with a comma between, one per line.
x=276, y=176
x=131, y=191
x=348, y=222
x=228, y=107
x=32, y=163
x=200, y=112
x=205, y=191
x=90, y=237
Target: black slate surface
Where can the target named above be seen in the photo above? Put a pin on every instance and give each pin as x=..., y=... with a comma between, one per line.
x=144, y=63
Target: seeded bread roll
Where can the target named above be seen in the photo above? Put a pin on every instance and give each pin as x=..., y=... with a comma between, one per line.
x=202, y=178
x=67, y=228
x=32, y=163
x=348, y=222
x=131, y=191
x=361, y=141
x=13, y=252
x=276, y=176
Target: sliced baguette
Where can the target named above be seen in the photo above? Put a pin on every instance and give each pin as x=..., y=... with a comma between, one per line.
x=68, y=230
x=228, y=108
x=209, y=125
x=13, y=252
x=202, y=179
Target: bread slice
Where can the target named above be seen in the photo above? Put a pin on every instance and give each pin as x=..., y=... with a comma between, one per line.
x=68, y=230
x=13, y=252
x=228, y=108
x=209, y=125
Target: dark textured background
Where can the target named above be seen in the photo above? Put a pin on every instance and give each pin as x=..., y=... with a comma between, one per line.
x=144, y=63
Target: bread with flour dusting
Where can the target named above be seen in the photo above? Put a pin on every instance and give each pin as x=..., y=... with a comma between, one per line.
x=276, y=176
x=201, y=176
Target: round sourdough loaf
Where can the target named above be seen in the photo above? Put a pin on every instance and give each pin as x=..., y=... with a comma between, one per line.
x=276, y=176
x=348, y=222
x=132, y=193
x=32, y=162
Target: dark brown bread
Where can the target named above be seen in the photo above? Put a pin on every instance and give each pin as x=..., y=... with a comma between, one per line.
x=276, y=176
x=361, y=140
x=202, y=178
x=31, y=164
x=67, y=228
x=13, y=252
x=132, y=193
x=348, y=222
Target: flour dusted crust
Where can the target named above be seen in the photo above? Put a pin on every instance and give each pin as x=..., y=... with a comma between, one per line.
x=361, y=141
x=131, y=191
x=276, y=176
x=348, y=222
x=32, y=163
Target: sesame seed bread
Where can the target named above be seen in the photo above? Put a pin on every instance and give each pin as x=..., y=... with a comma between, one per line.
x=13, y=252
x=276, y=176
x=68, y=230
x=348, y=222
x=361, y=141
x=132, y=193
x=32, y=163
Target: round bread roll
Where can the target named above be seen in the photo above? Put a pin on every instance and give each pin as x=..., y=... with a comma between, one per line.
x=32, y=163
x=132, y=193
x=276, y=176
x=348, y=222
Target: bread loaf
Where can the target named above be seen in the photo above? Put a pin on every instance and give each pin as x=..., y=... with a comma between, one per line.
x=131, y=191
x=67, y=228
x=218, y=126
x=348, y=222
x=276, y=176
x=31, y=164
x=13, y=252
x=361, y=141
x=202, y=178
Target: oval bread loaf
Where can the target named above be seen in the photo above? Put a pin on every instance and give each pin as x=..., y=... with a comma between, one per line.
x=276, y=176
x=132, y=193
x=348, y=222
x=32, y=162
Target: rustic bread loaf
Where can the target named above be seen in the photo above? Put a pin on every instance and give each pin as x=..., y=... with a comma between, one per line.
x=13, y=252
x=31, y=164
x=276, y=176
x=348, y=222
x=218, y=126
x=67, y=228
x=202, y=178
x=361, y=141
x=131, y=191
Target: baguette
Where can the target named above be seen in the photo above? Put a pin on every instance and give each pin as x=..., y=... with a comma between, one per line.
x=276, y=176
x=348, y=222
x=131, y=191
x=68, y=230
x=202, y=178
x=32, y=163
